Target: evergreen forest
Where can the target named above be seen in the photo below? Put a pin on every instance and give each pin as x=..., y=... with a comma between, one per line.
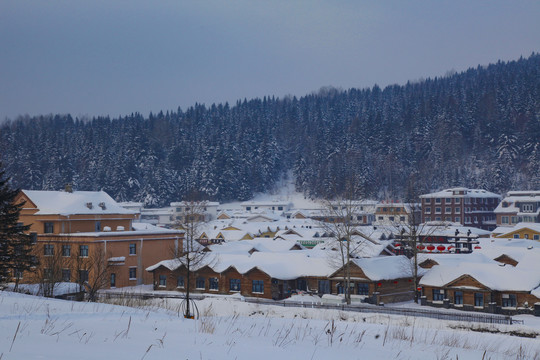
x=479, y=128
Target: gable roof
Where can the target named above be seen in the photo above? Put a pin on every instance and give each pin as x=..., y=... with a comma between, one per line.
x=256, y=244
x=385, y=267
x=283, y=266
x=72, y=203
x=505, y=231
x=493, y=276
x=360, y=246
x=510, y=204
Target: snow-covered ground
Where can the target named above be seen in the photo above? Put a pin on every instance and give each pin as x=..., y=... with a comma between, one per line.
x=38, y=328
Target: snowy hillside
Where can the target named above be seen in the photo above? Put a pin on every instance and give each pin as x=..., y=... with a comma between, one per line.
x=37, y=328
x=477, y=128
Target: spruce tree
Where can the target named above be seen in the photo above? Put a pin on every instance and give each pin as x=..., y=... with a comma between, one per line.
x=15, y=246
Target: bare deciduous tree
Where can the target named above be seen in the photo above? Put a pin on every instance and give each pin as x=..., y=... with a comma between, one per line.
x=191, y=255
x=411, y=235
x=64, y=260
x=55, y=265
x=93, y=270
x=339, y=221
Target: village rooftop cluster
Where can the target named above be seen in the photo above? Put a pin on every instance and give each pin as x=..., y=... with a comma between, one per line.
x=472, y=249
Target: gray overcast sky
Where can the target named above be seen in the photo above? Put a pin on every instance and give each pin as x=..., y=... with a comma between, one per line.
x=116, y=57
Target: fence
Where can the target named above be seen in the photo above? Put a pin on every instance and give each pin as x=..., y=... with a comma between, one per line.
x=360, y=308
x=364, y=308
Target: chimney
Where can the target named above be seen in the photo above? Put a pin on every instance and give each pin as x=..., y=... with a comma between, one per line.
x=68, y=188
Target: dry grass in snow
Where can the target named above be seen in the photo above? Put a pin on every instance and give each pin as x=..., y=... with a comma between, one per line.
x=37, y=328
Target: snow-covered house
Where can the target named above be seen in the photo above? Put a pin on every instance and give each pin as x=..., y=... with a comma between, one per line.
x=219, y=236
x=486, y=287
x=274, y=269
x=390, y=277
x=519, y=206
x=224, y=215
x=297, y=214
x=271, y=275
x=530, y=231
x=503, y=277
x=78, y=227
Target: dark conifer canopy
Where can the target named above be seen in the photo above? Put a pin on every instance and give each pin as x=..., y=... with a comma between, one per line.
x=478, y=129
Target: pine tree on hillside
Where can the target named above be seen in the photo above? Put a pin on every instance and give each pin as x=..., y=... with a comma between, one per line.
x=15, y=246
x=477, y=128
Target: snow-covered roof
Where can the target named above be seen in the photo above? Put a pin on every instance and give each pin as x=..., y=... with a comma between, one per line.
x=510, y=204
x=292, y=236
x=456, y=259
x=385, y=267
x=525, y=252
x=264, y=217
x=469, y=193
x=137, y=229
x=449, y=230
x=171, y=264
x=244, y=227
x=304, y=232
x=291, y=265
x=524, y=193
x=167, y=211
x=73, y=203
x=283, y=266
x=493, y=276
x=266, y=203
x=503, y=230
x=259, y=244
x=536, y=292
x=233, y=235
x=131, y=204
x=360, y=247
x=152, y=228
x=354, y=203
x=196, y=203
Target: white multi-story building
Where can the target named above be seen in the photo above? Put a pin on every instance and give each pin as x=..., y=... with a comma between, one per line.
x=394, y=213
x=159, y=217
x=208, y=210
x=266, y=205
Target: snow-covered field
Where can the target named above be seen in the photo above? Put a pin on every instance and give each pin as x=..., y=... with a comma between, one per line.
x=38, y=328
